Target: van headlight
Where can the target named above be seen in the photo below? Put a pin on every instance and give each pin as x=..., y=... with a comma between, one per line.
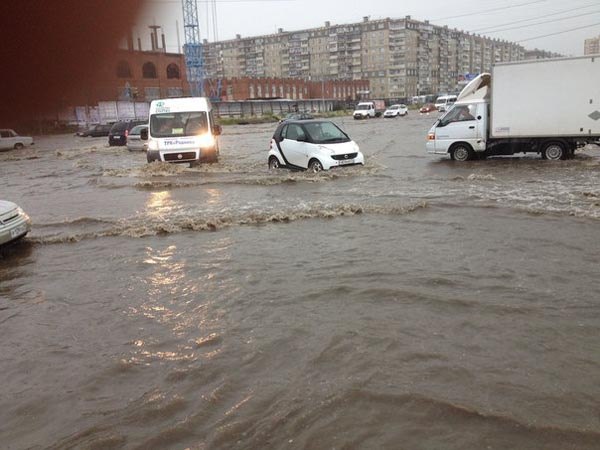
x=152, y=145
x=206, y=140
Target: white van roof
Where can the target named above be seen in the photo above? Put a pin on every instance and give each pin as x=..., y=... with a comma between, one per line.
x=182, y=104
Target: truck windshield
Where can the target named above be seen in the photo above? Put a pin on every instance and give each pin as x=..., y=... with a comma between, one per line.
x=364, y=107
x=178, y=124
x=325, y=132
x=458, y=113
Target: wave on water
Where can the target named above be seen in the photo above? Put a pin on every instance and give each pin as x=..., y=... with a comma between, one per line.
x=143, y=225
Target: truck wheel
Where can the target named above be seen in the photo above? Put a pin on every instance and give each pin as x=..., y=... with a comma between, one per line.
x=461, y=152
x=554, y=151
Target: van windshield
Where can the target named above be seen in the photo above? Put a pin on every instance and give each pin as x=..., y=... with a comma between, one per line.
x=178, y=124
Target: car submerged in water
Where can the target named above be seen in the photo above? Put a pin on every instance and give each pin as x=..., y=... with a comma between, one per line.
x=313, y=145
x=14, y=223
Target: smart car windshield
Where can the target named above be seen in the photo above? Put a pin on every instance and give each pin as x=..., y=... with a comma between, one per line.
x=325, y=132
x=178, y=124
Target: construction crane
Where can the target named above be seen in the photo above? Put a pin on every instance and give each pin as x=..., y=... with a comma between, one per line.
x=192, y=49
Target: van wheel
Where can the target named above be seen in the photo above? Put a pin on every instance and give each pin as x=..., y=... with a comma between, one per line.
x=18, y=146
x=461, y=152
x=554, y=151
x=152, y=156
x=274, y=163
x=315, y=166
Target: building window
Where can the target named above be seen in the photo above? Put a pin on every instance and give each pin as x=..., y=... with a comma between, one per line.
x=173, y=71
x=123, y=70
x=149, y=70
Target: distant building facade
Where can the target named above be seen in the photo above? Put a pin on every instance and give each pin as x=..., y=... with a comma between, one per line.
x=255, y=88
x=400, y=58
x=540, y=54
x=591, y=46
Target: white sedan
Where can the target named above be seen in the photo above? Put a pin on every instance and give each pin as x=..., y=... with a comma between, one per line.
x=9, y=139
x=312, y=144
x=14, y=223
x=395, y=111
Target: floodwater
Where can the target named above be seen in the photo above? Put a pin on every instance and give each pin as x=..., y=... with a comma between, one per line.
x=414, y=303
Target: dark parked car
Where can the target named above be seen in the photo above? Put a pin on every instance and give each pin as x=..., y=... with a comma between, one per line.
x=119, y=131
x=95, y=131
x=297, y=116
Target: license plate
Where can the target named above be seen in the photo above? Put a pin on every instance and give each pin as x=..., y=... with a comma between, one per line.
x=16, y=232
x=343, y=162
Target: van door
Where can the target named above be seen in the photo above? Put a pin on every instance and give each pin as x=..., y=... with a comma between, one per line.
x=459, y=124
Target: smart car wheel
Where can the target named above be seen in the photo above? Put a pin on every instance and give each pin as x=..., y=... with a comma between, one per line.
x=274, y=163
x=315, y=166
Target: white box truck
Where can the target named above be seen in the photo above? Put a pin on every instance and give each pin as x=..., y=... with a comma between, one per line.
x=550, y=107
x=182, y=130
x=369, y=109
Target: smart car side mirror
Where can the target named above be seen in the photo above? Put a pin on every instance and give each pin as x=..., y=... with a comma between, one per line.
x=144, y=134
x=217, y=130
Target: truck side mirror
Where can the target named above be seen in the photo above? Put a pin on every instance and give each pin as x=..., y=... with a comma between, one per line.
x=217, y=130
x=144, y=134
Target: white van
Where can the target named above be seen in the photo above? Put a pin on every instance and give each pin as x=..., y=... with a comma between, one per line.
x=182, y=130
x=444, y=102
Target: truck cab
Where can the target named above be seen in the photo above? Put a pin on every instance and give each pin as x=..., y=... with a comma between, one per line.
x=364, y=110
x=461, y=131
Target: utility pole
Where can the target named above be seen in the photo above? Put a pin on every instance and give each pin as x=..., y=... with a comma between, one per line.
x=192, y=49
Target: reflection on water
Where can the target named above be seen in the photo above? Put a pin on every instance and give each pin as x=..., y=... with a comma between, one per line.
x=159, y=204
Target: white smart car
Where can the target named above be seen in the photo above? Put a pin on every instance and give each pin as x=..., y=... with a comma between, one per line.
x=312, y=144
x=14, y=223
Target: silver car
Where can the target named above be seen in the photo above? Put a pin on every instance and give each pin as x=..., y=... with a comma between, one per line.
x=14, y=223
x=134, y=141
x=9, y=139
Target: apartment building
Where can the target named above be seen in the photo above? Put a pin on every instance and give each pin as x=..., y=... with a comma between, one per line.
x=591, y=46
x=399, y=57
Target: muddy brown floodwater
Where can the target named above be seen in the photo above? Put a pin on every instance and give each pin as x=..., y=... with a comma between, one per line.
x=413, y=303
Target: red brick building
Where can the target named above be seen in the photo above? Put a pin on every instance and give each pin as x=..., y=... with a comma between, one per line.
x=148, y=75
x=135, y=75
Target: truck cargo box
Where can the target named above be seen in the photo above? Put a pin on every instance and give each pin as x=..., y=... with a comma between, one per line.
x=546, y=98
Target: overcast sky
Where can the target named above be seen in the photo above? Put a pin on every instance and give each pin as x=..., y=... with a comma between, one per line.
x=487, y=17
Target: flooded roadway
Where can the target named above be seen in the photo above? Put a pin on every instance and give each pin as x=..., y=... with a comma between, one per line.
x=411, y=303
